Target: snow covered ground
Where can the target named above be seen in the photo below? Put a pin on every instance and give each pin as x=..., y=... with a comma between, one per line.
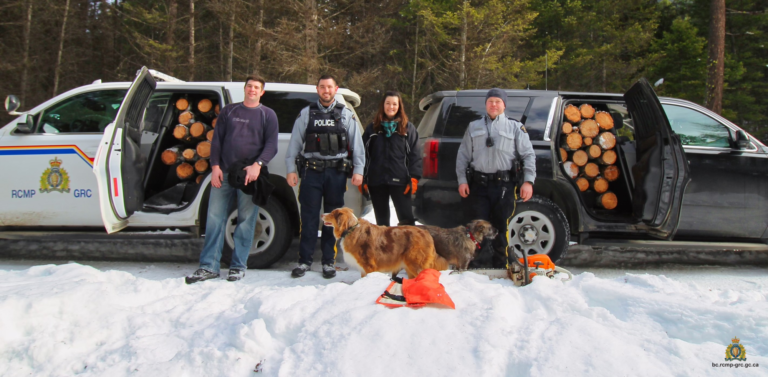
x=140, y=319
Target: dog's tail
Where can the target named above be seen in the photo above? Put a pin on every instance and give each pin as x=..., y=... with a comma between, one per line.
x=440, y=263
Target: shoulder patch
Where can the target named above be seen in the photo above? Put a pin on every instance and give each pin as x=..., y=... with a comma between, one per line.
x=522, y=128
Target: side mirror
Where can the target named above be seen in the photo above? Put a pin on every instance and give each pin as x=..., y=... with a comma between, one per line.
x=742, y=140
x=27, y=126
x=12, y=103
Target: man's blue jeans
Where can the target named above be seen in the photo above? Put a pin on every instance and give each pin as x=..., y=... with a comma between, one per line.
x=220, y=204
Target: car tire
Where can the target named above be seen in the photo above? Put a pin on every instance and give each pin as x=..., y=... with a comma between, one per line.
x=271, y=238
x=538, y=226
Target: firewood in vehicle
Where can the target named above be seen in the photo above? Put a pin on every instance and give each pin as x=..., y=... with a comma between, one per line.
x=198, y=129
x=610, y=172
x=571, y=142
x=563, y=155
x=186, y=118
x=185, y=171
x=172, y=155
x=572, y=113
x=594, y=151
x=204, y=149
x=181, y=132
x=607, y=158
x=190, y=155
x=600, y=185
x=580, y=158
x=216, y=109
x=590, y=170
x=204, y=105
x=182, y=104
x=604, y=120
x=209, y=135
x=589, y=128
x=199, y=179
x=587, y=111
x=213, y=123
x=567, y=128
x=582, y=183
x=606, y=140
x=608, y=200
x=587, y=141
x=202, y=165
x=571, y=169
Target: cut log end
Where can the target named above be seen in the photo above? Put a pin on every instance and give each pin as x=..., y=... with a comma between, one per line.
x=580, y=158
x=600, y=185
x=604, y=120
x=198, y=129
x=216, y=109
x=204, y=149
x=582, y=183
x=607, y=158
x=182, y=104
x=213, y=122
x=606, y=140
x=563, y=155
x=594, y=151
x=204, y=105
x=185, y=171
x=587, y=111
x=589, y=128
x=201, y=166
x=587, y=141
x=209, y=135
x=572, y=113
x=170, y=156
x=190, y=154
x=181, y=132
x=186, y=118
x=571, y=169
x=567, y=128
x=611, y=173
x=199, y=179
x=572, y=141
x=590, y=170
x=608, y=200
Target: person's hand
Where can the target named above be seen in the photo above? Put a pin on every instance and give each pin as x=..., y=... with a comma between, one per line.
x=412, y=187
x=464, y=190
x=216, y=176
x=357, y=179
x=252, y=173
x=293, y=179
x=526, y=191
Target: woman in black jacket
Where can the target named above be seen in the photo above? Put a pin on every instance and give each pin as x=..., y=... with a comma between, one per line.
x=392, y=161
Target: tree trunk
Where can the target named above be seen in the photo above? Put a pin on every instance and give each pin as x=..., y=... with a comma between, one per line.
x=259, y=27
x=57, y=71
x=191, y=40
x=716, y=63
x=415, y=61
x=25, y=70
x=463, y=58
x=231, y=46
x=310, y=26
x=221, y=51
x=169, y=37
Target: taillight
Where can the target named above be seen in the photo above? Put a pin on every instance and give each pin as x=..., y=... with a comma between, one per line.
x=429, y=158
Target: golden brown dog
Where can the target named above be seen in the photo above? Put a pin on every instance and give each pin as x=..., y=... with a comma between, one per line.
x=457, y=246
x=370, y=248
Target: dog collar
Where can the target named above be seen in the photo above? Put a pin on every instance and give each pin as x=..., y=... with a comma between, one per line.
x=469, y=234
x=348, y=231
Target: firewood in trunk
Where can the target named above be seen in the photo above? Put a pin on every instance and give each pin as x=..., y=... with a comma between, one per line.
x=582, y=183
x=198, y=129
x=604, y=120
x=580, y=158
x=199, y=179
x=600, y=185
x=563, y=155
x=209, y=135
x=182, y=104
x=201, y=166
x=181, y=132
x=606, y=140
x=590, y=170
x=190, y=155
x=589, y=128
x=607, y=158
x=571, y=142
x=185, y=171
x=610, y=172
x=567, y=128
x=172, y=155
x=587, y=111
x=571, y=169
x=204, y=149
x=216, y=109
x=608, y=200
x=204, y=105
x=213, y=122
x=186, y=118
x=587, y=141
x=572, y=113
x=594, y=151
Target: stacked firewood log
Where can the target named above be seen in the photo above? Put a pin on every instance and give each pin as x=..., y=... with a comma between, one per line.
x=194, y=132
x=587, y=151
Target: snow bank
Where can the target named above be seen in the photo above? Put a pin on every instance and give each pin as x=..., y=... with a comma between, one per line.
x=74, y=319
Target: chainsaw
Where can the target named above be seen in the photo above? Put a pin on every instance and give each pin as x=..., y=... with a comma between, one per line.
x=522, y=270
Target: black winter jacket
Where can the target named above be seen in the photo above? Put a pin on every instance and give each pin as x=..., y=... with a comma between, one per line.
x=391, y=160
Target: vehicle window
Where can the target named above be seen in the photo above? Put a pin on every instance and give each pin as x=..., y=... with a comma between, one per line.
x=468, y=109
x=87, y=112
x=287, y=106
x=538, y=115
x=427, y=125
x=156, y=107
x=622, y=123
x=696, y=128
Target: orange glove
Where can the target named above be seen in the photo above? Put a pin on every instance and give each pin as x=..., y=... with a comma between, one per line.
x=414, y=184
x=363, y=189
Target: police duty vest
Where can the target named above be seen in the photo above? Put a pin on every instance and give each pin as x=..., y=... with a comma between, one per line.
x=325, y=133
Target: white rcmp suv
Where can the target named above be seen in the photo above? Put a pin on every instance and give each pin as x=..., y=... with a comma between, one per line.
x=90, y=157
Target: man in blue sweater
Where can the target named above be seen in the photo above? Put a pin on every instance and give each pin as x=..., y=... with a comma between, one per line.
x=246, y=129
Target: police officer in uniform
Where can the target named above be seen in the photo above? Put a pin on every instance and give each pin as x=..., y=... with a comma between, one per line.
x=485, y=166
x=326, y=146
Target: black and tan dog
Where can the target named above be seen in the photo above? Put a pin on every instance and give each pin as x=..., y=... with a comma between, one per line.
x=368, y=247
x=459, y=245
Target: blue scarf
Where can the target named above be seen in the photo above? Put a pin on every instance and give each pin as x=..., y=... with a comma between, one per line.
x=389, y=127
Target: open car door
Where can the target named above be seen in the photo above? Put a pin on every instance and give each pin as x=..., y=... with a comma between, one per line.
x=661, y=172
x=119, y=165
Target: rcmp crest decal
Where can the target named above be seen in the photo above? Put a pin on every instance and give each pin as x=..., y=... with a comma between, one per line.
x=735, y=351
x=54, y=178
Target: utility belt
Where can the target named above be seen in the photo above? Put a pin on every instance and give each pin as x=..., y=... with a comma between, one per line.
x=484, y=179
x=341, y=164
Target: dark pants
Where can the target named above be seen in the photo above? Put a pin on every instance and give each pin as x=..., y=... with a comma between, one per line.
x=326, y=188
x=403, y=204
x=486, y=203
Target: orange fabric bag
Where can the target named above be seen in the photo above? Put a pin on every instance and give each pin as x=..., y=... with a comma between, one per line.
x=424, y=289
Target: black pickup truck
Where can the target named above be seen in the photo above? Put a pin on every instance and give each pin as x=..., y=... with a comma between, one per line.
x=686, y=173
